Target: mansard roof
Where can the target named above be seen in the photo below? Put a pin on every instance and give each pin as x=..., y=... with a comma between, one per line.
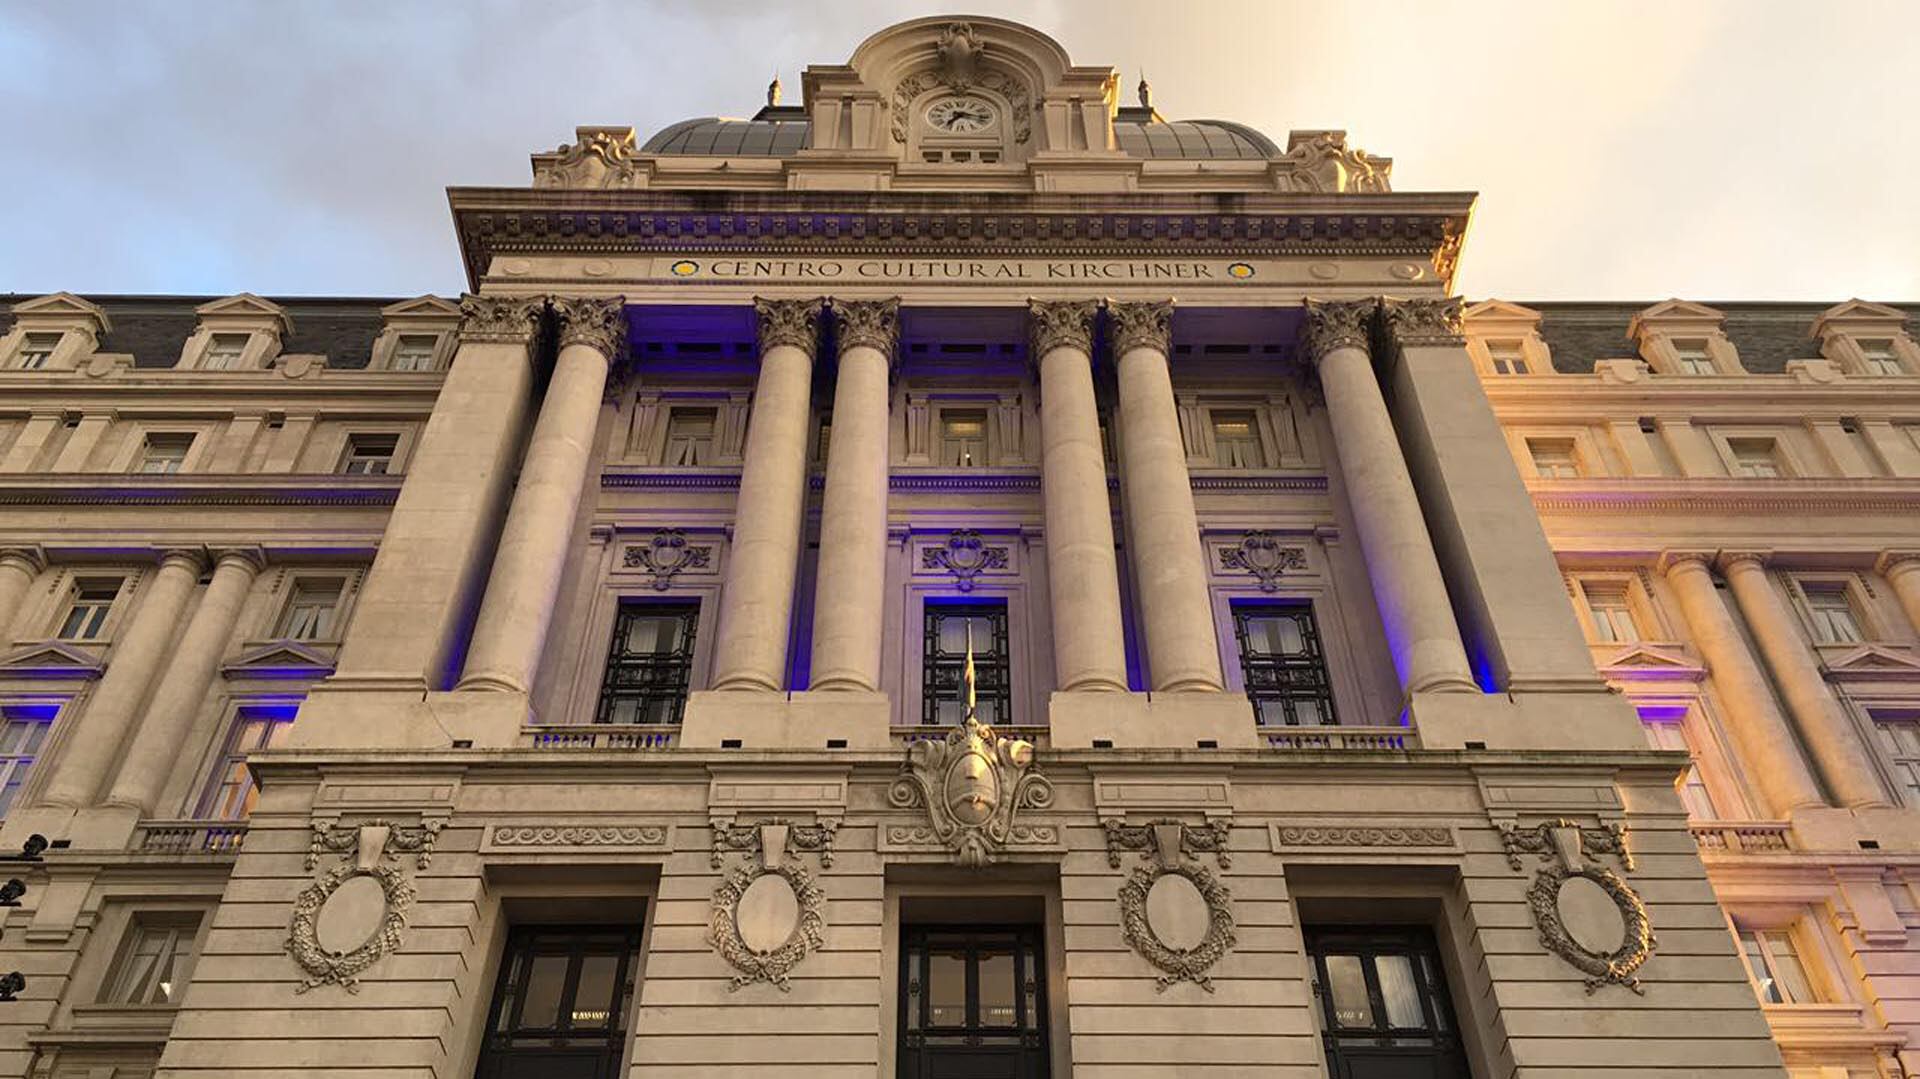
x=1767, y=334
x=153, y=328
x=785, y=135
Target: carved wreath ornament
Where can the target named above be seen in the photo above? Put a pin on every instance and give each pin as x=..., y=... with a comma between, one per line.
x=972, y=783
x=1165, y=844
x=1562, y=846
x=767, y=951
x=966, y=556
x=367, y=850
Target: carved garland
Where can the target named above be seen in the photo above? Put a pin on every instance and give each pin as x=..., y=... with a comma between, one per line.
x=1261, y=555
x=773, y=967
x=1178, y=964
x=965, y=555
x=368, y=848
x=1612, y=968
x=666, y=555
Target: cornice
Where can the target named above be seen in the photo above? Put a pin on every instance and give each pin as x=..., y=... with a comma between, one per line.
x=1739, y=497
x=198, y=490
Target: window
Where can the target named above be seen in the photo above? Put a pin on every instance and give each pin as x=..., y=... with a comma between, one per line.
x=559, y=1008
x=164, y=454
x=231, y=792
x=1671, y=734
x=1610, y=611
x=1831, y=613
x=963, y=438
x=949, y=629
x=1236, y=441
x=23, y=729
x=224, y=352
x=369, y=455
x=37, y=350
x=972, y=1001
x=1774, y=965
x=1383, y=1002
x=690, y=436
x=414, y=352
x=1755, y=458
x=155, y=963
x=1900, y=738
x=650, y=663
x=1880, y=358
x=1507, y=357
x=87, y=611
x=1691, y=357
x=1553, y=458
x=1282, y=665
x=312, y=611
x=824, y=441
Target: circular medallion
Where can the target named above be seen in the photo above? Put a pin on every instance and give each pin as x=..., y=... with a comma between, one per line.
x=684, y=268
x=1325, y=271
x=961, y=115
x=1407, y=271
x=767, y=913
x=1240, y=271
x=1177, y=912
x=351, y=915
x=597, y=268
x=517, y=267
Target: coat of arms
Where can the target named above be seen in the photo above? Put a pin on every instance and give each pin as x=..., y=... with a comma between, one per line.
x=972, y=783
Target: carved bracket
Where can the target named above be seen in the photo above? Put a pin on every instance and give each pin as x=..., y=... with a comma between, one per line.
x=362, y=936
x=768, y=913
x=1259, y=554
x=972, y=784
x=666, y=555
x=966, y=556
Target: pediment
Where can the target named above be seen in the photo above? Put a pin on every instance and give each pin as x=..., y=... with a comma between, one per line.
x=1674, y=315
x=1500, y=311
x=246, y=308
x=1870, y=659
x=1652, y=661
x=421, y=307
x=280, y=659
x=1854, y=314
x=63, y=308
x=52, y=659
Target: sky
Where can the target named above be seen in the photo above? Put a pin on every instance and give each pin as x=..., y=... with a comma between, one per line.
x=1748, y=150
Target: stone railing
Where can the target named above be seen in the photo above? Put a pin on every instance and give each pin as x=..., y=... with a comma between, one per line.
x=636, y=736
x=1742, y=837
x=190, y=836
x=904, y=734
x=1339, y=738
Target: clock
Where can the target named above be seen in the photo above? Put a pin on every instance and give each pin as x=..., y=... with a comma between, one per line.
x=960, y=115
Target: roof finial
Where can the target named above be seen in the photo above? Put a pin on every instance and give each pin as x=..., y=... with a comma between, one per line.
x=773, y=91
x=1145, y=91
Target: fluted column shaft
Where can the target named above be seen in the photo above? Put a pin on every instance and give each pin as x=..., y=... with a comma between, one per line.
x=18, y=568
x=1164, y=532
x=1766, y=742
x=518, y=608
x=848, y=614
x=1902, y=571
x=138, y=650
x=1083, y=575
x=1408, y=588
x=756, y=607
x=1824, y=726
x=183, y=685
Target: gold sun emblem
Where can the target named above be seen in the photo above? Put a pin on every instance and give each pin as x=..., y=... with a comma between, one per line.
x=1240, y=270
x=684, y=268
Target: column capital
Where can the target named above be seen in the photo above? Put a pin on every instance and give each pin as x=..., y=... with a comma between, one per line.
x=600, y=323
x=1674, y=560
x=793, y=323
x=1890, y=564
x=192, y=558
x=873, y=324
x=1730, y=559
x=30, y=558
x=253, y=558
x=1055, y=324
x=1337, y=324
x=1141, y=324
x=1423, y=322
x=509, y=320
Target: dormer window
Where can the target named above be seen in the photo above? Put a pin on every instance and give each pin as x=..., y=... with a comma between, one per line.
x=37, y=350
x=1879, y=357
x=1691, y=357
x=1508, y=357
x=414, y=352
x=224, y=352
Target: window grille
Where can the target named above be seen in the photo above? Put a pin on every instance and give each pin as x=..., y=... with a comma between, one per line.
x=649, y=664
x=947, y=627
x=1282, y=664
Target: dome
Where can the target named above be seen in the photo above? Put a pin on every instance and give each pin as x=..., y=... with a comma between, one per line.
x=1211, y=139
x=714, y=136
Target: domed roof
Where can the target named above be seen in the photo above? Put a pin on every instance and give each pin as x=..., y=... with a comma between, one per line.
x=714, y=136
x=1214, y=139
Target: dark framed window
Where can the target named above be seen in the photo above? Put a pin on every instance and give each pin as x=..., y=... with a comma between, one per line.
x=1282, y=664
x=973, y=1002
x=559, y=1008
x=943, y=664
x=1383, y=1003
x=650, y=664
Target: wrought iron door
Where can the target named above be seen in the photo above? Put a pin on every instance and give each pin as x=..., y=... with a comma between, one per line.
x=973, y=1003
x=1383, y=1004
x=559, y=1010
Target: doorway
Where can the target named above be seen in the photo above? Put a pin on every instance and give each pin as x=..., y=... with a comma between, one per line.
x=560, y=1008
x=973, y=1002
x=1384, y=1011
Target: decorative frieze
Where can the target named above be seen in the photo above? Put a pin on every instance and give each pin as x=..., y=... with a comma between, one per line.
x=972, y=784
x=1147, y=324
x=510, y=320
x=871, y=324
x=666, y=555
x=1060, y=324
x=1335, y=324
x=789, y=323
x=1363, y=835
x=595, y=837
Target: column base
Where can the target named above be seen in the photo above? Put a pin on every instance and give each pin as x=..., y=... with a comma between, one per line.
x=730, y=719
x=350, y=718
x=1150, y=721
x=1595, y=719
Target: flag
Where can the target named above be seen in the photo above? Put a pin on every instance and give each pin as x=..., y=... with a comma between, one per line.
x=967, y=675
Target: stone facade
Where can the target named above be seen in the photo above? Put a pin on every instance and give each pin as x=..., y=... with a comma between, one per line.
x=349, y=647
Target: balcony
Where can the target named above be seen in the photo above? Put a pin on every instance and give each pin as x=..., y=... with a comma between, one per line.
x=1314, y=738
x=906, y=735
x=190, y=837
x=637, y=737
x=1742, y=837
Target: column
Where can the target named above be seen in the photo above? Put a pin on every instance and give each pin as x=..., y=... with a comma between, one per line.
x=138, y=650
x=1171, y=571
x=848, y=615
x=19, y=566
x=182, y=691
x=412, y=615
x=512, y=627
x=756, y=606
x=1900, y=568
x=1407, y=585
x=1825, y=728
x=1083, y=575
x=1766, y=743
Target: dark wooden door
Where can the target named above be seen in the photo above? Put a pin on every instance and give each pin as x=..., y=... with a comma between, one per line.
x=560, y=1007
x=973, y=1003
x=1383, y=1004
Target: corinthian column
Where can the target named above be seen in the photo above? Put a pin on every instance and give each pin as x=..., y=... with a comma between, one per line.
x=18, y=568
x=849, y=594
x=138, y=650
x=1182, y=653
x=1407, y=585
x=756, y=606
x=1765, y=741
x=1824, y=726
x=514, y=616
x=183, y=686
x=1083, y=575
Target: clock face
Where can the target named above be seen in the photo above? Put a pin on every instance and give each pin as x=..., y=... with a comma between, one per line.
x=960, y=115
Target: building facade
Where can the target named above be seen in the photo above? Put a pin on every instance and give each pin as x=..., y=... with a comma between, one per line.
x=957, y=577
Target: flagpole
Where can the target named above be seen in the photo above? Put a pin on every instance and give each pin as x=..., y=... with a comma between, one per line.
x=969, y=677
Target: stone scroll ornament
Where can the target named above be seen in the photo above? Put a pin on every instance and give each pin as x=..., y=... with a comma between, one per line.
x=353, y=915
x=768, y=914
x=1174, y=912
x=666, y=555
x=966, y=556
x=972, y=783
x=1606, y=951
